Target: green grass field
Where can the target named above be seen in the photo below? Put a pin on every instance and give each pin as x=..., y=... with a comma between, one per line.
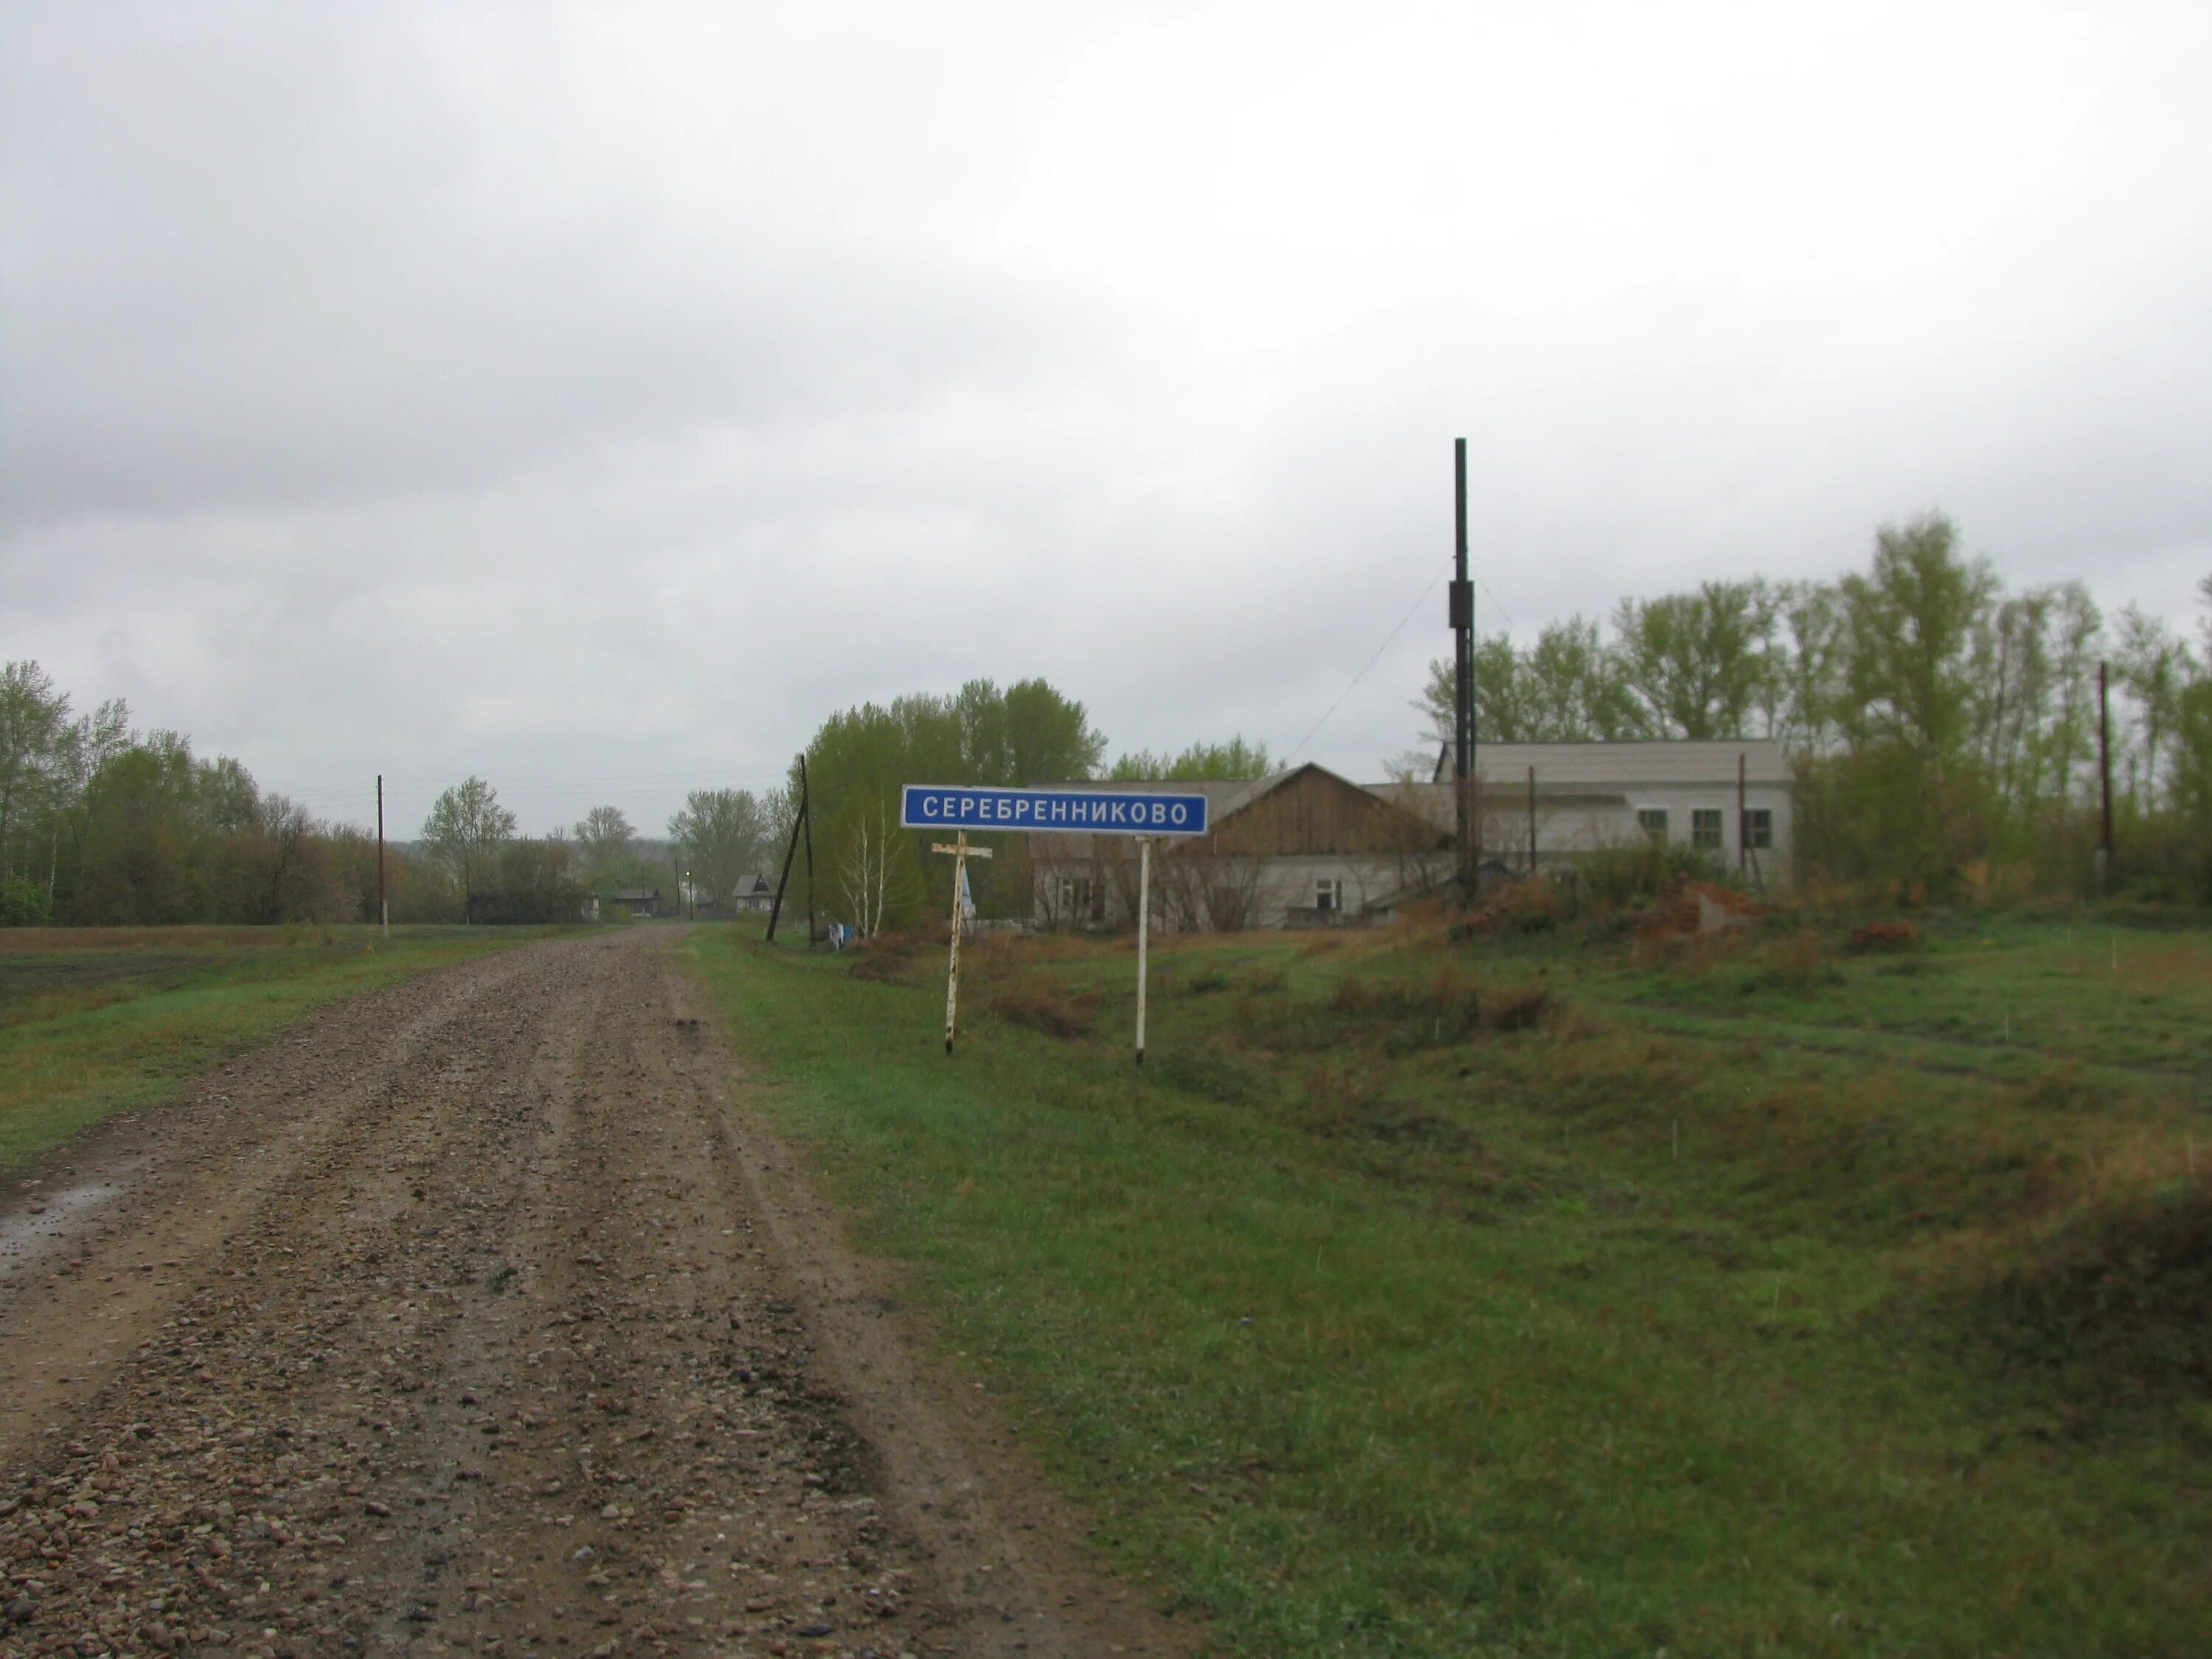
x=1516, y=1297
x=97, y=1020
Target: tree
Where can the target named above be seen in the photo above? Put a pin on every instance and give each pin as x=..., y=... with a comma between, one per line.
x=723, y=833
x=1701, y=663
x=1029, y=733
x=1566, y=688
x=465, y=831
x=865, y=848
x=2155, y=668
x=144, y=857
x=1049, y=737
x=604, y=837
x=1911, y=622
x=1234, y=759
x=34, y=722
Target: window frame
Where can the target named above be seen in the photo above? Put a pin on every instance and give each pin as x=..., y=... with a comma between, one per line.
x=1718, y=825
x=1659, y=831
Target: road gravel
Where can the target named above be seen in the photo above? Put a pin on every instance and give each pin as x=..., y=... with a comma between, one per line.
x=482, y=1313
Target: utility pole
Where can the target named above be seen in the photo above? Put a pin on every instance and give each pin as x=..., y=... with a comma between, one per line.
x=798, y=823
x=383, y=907
x=1532, y=821
x=2105, y=781
x=806, y=819
x=1463, y=621
x=1742, y=812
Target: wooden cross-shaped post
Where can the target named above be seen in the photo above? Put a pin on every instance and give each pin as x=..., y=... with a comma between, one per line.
x=961, y=852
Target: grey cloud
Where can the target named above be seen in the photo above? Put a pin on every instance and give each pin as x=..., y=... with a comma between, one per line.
x=297, y=273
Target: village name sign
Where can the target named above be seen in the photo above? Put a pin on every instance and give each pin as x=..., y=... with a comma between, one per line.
x=1079, y=811
x=1055, y=812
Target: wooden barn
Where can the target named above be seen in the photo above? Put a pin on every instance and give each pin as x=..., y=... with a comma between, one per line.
x=1301, y=847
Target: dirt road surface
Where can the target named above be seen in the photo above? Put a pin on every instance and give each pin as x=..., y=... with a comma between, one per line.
x=479, y=1313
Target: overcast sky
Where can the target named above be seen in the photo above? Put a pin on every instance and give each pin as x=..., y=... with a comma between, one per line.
x=594, y=399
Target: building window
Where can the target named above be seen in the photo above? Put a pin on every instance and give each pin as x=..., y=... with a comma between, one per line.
x=1759, y=828
x=1328, y=893
x=1705, y=828
x=1652, y=821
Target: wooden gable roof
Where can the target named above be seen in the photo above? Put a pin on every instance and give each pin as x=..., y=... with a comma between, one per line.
x=1309, y=811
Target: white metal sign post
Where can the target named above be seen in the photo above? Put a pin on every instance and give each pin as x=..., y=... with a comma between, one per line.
x=1144, y=925
x=1142, y=814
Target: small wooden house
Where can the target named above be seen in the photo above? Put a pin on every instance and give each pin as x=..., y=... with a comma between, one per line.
x=639, y=901
x=1297, y=848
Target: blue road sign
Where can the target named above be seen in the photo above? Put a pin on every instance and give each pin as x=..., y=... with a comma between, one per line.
x=1058, y=812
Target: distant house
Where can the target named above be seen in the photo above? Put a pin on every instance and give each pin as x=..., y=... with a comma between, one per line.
x=752, y=892
x=1542, y=805
x=639, y=901
x=1297, y=848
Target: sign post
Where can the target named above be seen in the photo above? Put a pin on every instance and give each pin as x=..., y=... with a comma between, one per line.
x=1143, y=814
x=961, y=852
x=1143, y=928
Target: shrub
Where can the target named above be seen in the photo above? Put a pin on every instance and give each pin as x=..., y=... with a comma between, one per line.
x=1634, y=873
x=1043, y=1006
x=23, y=903
x=1519, y=1009
x=1878, y=936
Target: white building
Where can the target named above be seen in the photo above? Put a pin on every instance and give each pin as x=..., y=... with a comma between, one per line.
x=1304, y=846
x=1729, y=800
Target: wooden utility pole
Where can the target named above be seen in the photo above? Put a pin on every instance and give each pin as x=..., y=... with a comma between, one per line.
x=1532, y=821
x=1742, y=813
x=1463, y=736
x=798, y=823
x=383, y=907
x=2105, y=779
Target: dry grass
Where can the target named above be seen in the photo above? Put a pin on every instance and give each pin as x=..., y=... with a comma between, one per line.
x=1044, y=1005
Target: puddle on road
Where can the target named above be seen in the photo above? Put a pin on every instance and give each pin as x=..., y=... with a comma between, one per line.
x=29, y=1234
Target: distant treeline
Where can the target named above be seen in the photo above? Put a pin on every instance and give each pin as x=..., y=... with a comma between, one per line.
x=103, y=825
x=1945, y=729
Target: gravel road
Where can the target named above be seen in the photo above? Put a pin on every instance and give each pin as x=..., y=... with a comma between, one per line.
x=480, y=1313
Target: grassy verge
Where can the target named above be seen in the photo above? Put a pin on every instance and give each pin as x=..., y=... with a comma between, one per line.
x=94, y=1021
x=1426, y=1300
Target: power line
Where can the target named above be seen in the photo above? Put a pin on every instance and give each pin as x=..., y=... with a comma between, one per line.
x=1388, y=640
x=1498, y=603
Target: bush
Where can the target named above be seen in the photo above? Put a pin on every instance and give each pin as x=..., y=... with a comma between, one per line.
x=23, y=903
x=1043, y=1006
x=1632, y=875
x=1879, y=936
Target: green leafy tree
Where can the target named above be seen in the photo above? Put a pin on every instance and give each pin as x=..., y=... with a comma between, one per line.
x=1234, y=759
x=604, y=838
x=464, y=830
x=33, y=733
x=2155, y=668
x=1702, y=663
x=1911, y=623
x=1565, y=688
x=723, y=835
x=147, y=842
x=1030, y=733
